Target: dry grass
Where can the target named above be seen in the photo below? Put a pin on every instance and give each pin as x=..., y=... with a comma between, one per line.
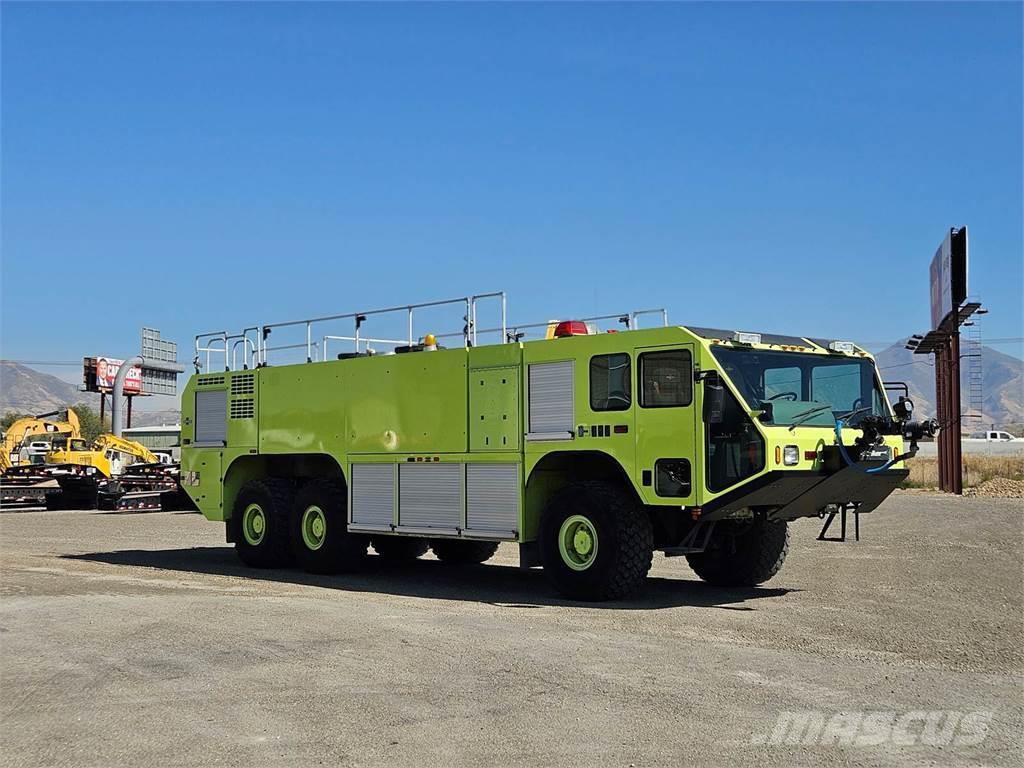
x=924, y=471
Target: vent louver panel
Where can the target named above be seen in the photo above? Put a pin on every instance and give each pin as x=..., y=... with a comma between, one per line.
x=209, y=381
x=243, y=408
x=243, y=385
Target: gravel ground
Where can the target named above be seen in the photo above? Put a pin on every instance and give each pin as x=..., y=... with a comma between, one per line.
x=998, y=487
x=137, y=640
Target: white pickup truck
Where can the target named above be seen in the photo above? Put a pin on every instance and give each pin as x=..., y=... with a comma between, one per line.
x=993, y=436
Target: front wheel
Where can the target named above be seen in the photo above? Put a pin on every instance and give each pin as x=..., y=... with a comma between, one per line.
x=596, y=542
x=742, y=554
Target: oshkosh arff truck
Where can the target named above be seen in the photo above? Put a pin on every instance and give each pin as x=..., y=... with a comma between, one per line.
x=588, y=449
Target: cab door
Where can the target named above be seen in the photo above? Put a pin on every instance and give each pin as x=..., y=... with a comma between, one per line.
x=666, y=425
x=116, y=460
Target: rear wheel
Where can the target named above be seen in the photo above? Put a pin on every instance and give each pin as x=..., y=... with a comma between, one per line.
x=462, y=552
x=596, y=542
x=259, y=523
x=319, y=530
x=742, y=553
x=399, y=547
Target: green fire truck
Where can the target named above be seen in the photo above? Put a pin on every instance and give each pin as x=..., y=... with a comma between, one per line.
x=588, y=449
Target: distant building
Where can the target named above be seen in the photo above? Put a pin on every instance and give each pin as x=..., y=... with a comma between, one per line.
x=162, y=439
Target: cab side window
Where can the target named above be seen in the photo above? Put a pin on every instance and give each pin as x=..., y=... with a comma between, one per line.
x=666, y=378
x=610, y=388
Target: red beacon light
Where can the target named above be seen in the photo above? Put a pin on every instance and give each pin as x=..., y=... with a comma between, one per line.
x=571, y=328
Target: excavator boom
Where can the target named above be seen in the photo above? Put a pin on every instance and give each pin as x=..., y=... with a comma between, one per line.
x=31, y=426
x=108, y=453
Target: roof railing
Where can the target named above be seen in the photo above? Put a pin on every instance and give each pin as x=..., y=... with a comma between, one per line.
x=216, y=345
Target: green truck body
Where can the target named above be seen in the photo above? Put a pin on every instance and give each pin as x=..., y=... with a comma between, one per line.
x=476, y=443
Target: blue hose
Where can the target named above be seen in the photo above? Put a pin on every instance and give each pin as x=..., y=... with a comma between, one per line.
x=846, y=456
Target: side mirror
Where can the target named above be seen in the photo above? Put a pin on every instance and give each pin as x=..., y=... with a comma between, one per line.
x=714, y=398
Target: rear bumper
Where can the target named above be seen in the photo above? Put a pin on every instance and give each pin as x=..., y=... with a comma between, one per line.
x=794, y=494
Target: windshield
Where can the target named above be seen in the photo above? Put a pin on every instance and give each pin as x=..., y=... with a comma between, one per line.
x=813, y=390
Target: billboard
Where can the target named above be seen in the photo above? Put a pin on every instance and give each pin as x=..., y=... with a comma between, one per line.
x=948, y=276
x=99, y=374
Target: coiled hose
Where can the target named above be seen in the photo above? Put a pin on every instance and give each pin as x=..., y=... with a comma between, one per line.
x=850, y=462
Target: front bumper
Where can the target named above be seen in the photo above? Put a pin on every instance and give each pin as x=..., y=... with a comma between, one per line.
x=791, y=494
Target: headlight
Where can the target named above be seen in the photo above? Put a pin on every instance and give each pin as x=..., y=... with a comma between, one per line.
x=791, y=455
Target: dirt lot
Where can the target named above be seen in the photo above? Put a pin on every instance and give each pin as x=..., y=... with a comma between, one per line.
x=137, y=640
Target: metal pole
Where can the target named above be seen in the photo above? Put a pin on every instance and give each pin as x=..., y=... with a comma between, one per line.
x=130, y=398
x=309, y=342
x=504, y=315
x=411, y=339
x=955, y=454
x=942, y=415
x=115, y=405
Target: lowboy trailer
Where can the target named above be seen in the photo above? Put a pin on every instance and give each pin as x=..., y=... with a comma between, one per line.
x=589, y=450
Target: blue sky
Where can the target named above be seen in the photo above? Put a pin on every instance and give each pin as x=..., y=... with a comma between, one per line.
x=778, y=167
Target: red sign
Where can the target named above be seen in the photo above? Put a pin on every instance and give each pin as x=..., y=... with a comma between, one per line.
x=106, y=372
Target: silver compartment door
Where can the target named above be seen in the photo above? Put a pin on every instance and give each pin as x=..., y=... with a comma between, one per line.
x=430, y=496
x=373, y=495
x=492, y=499
x=211, y=418
x=552, y=411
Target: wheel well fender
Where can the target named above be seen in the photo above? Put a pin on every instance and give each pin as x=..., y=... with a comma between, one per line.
x=558, y=469
x=298, y=467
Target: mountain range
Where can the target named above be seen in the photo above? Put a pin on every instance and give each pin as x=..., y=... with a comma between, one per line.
x=27, y=390
x=1002, y=386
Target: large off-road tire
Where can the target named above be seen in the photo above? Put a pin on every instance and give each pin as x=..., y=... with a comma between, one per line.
x=596, y=541
x=463, y=552
x=742, y=553
x=400, y=547
x=259, y=523
x=319, y=530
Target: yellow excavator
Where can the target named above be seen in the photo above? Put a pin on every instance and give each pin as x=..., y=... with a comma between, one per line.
x=109, y=454
x=86, y=474
x=32, y=426
x=93, y=474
